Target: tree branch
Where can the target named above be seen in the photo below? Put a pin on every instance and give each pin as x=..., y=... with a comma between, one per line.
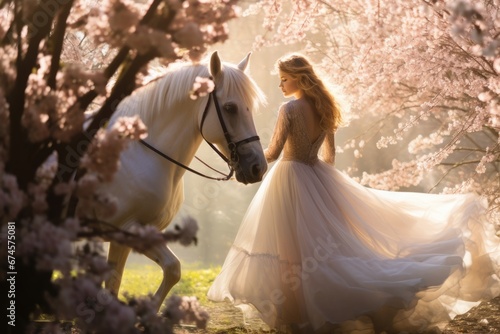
x=56, y=42
x=20, y=146
x=122, y=88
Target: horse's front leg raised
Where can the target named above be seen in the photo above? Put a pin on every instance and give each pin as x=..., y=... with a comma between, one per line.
x=171, y=267
x=117, y=257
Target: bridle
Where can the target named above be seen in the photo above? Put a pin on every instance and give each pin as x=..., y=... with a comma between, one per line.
x=233, y=146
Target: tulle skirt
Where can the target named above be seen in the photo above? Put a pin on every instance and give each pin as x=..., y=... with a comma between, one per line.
x=316, y=248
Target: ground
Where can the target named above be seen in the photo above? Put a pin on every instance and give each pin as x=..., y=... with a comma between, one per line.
x=484, y=318
x=226, y=319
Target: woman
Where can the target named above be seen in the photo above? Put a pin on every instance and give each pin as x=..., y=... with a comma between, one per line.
x=317, y=251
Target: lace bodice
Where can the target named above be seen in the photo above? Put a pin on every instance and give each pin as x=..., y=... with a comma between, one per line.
x=290, y=136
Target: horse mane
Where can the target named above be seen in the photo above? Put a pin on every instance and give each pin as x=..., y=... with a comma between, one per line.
x=173, y=89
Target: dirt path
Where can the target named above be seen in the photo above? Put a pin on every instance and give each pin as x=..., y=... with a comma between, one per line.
x=226, y=319
x=485, y=318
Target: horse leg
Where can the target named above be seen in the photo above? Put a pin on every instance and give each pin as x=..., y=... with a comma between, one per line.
x=171, y=267
x=117, y=257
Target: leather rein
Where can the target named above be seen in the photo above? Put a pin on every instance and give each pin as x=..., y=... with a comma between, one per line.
x=233, y=146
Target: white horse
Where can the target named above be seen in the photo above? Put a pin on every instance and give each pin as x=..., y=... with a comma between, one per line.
x=148, y=187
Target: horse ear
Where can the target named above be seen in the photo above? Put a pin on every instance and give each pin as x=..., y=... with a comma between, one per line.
x=215, y=64
x=244, y=63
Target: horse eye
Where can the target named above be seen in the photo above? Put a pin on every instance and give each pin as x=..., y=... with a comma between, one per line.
x=231, y=108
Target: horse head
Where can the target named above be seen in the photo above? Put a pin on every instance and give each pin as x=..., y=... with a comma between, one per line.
x=228, y=122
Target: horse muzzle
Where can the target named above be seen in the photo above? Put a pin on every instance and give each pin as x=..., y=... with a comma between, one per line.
x=250, y=168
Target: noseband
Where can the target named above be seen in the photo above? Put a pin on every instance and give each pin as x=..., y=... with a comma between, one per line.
x=233, y=146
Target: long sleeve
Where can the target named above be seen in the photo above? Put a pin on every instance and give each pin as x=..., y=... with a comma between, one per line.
x=328, y=148
x=280, y=134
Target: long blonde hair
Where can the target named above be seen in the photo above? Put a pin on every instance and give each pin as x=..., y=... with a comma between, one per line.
x=315, y=91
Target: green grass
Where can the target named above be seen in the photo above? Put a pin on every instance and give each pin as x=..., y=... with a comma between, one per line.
x=143, y=279
x=140, y=280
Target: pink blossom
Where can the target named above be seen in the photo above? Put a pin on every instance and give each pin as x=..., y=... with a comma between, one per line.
x=11, y=197
x=4, y=18
x=77, y=79
x=83, y=299
x=201, y=87
x=189, y=36
x=146, y=310
x=40, y=103
x=419, y=75
x=185, y=310
x=47, y=244
x=4, y=118
x=63, y=188
x=421, y=143
x=487, y=158
x=90, y=257
x=37, y=194
x=54, y=113
x=121, y=17
x=130, y=127
x=97, y=206
x=55, y=103
x=93, y=204
x=200, y=23
x=47, y=171
x=139, y=237
x=496, y=65
x=87, y=184
x=463, y=187
x=189, y=229
x=146, y=39
x=402, y=174
x=102, y=156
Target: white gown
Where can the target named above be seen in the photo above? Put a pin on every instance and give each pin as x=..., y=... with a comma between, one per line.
x=316, y=248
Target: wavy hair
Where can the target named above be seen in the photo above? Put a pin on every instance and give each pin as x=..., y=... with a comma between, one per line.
x=315, y=91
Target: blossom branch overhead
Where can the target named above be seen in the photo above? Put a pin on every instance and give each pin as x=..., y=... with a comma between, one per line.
x=421, y=78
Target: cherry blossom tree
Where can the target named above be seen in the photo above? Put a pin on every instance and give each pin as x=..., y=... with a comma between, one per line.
x=421, y=79
x=60, y=59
